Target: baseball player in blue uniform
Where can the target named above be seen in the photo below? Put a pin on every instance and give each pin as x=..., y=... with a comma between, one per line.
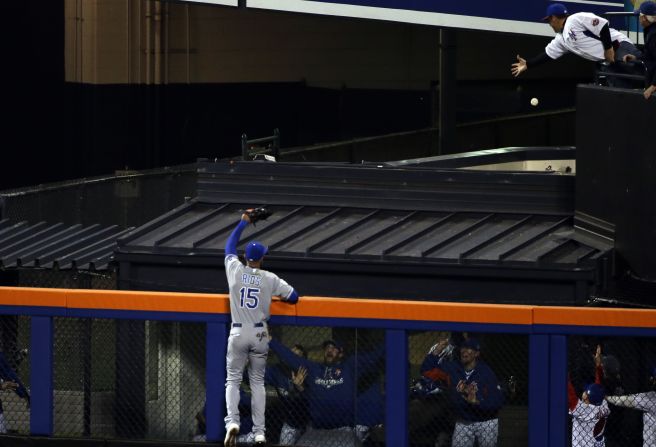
x=251, y=291
x=475, y=394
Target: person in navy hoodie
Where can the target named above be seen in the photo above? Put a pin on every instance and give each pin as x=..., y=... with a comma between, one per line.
x=331, y=391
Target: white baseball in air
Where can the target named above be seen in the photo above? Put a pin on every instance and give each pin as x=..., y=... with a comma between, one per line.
x=534, y=102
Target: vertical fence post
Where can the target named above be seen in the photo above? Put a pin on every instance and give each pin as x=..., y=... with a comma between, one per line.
x=396, y=388
x=215, y=376
x=558, y=390
x=41, y=375
x=538, y=393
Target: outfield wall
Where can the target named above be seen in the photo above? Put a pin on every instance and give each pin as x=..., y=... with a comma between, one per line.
x=546, y=329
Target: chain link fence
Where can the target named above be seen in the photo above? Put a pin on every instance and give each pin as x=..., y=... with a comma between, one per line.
x=14, y=374
x=612, y=391
x=145, y=380
x=468, y=388
x=127, y=378
x=325, y=387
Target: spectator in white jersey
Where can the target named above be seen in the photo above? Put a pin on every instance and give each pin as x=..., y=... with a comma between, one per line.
x=251, y=291
x=586, y=35
x=590, y=412
x=645, y=402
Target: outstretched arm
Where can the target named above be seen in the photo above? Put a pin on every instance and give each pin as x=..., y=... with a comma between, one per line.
x=233, y=239
x=522, y=64
x=519, y=67
x=572, y=398
x=287, y=355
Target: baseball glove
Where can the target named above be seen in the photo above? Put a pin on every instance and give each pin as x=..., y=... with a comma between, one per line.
x=258, y=214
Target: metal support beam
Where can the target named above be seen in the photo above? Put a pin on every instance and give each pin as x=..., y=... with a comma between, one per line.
x=447, y=92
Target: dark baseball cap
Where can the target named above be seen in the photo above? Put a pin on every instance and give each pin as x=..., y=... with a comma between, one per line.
x=646, y=8
x=331, y=342
x=555, y=9
x=255, y=251
x=471, y=343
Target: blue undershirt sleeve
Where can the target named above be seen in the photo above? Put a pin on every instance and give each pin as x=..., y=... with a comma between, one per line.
x=233, y=239
x=293, y=297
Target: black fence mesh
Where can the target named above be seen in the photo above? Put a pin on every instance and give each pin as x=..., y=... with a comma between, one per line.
x=127, y=378
x=324, y=388
x=14, y=374
x=611, y=387
x=468, y=389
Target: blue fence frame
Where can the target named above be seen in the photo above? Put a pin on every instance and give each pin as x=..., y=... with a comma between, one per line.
x=547, y=364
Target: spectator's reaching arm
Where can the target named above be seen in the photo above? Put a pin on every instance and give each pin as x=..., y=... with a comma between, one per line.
x=287, y=355
x=572, y=398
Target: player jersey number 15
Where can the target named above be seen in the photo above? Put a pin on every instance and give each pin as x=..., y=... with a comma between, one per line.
x=249, y=297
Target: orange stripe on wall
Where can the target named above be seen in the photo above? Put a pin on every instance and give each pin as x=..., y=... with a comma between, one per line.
x=330, y=307
x=148, y=301
x=575, y=316
x=30, y=296
x=414, y=310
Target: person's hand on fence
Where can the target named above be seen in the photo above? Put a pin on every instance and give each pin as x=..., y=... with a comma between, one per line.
x=298, y=377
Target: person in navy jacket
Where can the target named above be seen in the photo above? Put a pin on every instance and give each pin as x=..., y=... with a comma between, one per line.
x=475, y=394
x=332, y=384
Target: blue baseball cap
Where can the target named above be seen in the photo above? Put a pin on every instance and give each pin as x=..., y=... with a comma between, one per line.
x=471, y=343
x=255, y=251
x=646, y=8
x=555, y=9
x=595, y=393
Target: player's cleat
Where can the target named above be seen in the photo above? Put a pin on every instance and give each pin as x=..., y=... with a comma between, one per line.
x=260, y=440
x=231, y=435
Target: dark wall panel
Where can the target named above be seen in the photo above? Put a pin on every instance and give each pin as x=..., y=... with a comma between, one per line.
x=616, y=162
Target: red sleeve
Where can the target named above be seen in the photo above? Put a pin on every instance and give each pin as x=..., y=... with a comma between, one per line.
x=572, y=398
x=436, y=374
x=599, y=374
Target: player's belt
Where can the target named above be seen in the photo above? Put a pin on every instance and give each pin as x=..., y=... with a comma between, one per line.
x=255, y=325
